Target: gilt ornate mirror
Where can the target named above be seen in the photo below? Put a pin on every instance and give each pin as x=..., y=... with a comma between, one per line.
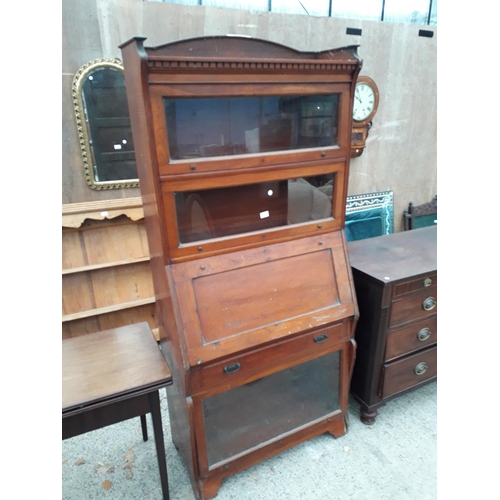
x=103, y=123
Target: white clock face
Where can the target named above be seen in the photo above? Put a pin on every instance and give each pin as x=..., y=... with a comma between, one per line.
x=364, y=102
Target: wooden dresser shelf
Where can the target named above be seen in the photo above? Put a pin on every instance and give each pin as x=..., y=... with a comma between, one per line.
x=106, y=310
x=106, y=270
x=104, y=265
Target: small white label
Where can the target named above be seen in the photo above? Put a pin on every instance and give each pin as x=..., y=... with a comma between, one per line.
x=117, y=146
x=104, y=214
x=264, y=215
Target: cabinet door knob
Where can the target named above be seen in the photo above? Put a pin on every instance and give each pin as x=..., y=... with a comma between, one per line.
x=231, y=368
x=424, y=334
x=427, y=282
x=429, y=303
x=421, y=368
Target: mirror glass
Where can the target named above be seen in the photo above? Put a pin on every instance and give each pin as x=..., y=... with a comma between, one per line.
x=103, y=123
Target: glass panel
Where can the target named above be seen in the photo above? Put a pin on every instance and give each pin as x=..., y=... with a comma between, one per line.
x=220, y=126
x=249, y=415
x=306, y=7
x=362, y=9
x=261, y=5
x=406, y=11
x=214, y=213
x=183, y=2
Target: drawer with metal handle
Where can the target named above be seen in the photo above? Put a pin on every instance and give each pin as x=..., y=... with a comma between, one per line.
x=407, y=339
x=414, y=285
x=408, y=372
x=413, y=307
x=238, y=369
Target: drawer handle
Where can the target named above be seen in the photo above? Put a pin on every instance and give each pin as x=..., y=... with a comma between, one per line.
x=320, y=338
x=424, y=334
x=421, y=368
x=427, y=282
x=429, y=303
x=231, y=368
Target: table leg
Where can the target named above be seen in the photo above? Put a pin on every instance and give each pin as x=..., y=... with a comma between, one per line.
x=144, y=426
x=154, y=403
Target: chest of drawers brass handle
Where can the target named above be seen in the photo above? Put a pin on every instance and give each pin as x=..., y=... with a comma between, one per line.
x=427, y=282
x=421, y=368
x=424, y=334
x=429, y=303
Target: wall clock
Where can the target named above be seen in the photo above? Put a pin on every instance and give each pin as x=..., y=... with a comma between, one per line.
x=366, y=99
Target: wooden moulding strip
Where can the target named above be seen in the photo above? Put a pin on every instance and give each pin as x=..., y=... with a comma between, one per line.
x=108, y=309
x=93, y=267
x=74, y=214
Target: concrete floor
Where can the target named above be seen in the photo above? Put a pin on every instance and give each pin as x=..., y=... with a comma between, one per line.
x=394, y=459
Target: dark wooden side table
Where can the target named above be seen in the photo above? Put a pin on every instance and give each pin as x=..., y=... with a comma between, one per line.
x=111, y=376
x=395, y=278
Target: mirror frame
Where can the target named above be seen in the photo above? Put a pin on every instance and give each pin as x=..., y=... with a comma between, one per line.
x=82, y=125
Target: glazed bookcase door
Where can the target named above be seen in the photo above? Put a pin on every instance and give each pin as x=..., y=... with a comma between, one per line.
x=227, y=126
x=259, y=412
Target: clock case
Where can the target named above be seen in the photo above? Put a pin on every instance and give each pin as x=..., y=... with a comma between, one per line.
x=256, y=325
x=360, y=129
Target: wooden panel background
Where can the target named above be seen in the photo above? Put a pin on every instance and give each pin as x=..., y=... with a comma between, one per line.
x=400, y=155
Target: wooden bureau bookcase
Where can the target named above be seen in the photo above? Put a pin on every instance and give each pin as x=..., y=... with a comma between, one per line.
x=242, y=150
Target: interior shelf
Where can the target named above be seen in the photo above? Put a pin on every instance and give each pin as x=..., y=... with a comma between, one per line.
x=108, y=309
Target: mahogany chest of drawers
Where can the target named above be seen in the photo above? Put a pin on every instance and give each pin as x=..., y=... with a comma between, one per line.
x=395, y=279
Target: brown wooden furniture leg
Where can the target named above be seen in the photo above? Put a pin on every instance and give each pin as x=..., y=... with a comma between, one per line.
x=154, y=403
x=368, y=416
x=144, y=427
x=210, y=487
x=338, y=428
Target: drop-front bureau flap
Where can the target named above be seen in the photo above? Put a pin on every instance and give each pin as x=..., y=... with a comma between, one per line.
x=241, y=300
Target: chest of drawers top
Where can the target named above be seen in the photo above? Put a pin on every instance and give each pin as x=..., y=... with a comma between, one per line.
x=397, y=256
